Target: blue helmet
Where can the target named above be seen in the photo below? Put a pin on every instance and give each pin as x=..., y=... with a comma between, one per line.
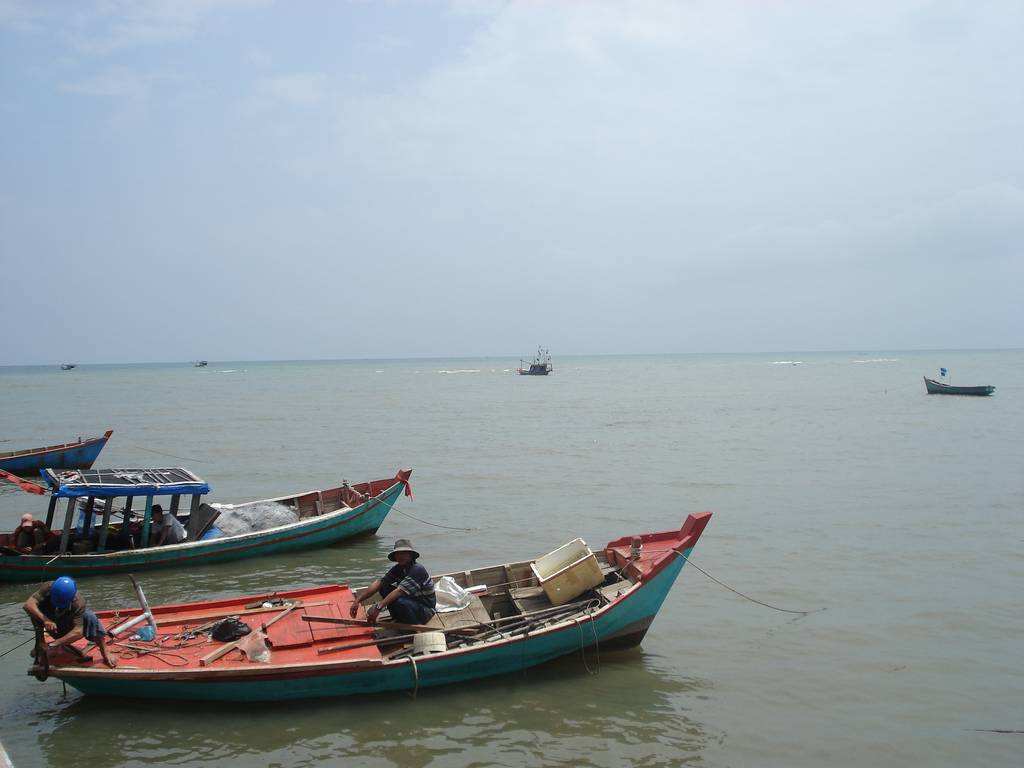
x=63, y=592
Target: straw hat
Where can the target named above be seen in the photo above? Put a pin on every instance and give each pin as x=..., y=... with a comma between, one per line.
x=403, y=545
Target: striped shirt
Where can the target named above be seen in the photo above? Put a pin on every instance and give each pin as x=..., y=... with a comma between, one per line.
x=416, y=583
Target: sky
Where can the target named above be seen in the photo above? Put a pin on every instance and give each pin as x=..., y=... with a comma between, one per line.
x=250, y=180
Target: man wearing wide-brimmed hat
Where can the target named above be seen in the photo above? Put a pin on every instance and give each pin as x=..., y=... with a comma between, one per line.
x=407, y=589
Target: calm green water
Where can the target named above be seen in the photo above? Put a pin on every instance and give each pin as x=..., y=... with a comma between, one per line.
x=835, y=484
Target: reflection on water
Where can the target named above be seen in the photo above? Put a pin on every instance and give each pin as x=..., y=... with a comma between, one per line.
x=630, y=712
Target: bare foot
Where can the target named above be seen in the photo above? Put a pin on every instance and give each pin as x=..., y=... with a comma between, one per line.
x=110, y=662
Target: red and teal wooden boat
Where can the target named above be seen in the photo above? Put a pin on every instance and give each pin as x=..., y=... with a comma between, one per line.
x=109, y=536
x=303, y=643
x=80, y=454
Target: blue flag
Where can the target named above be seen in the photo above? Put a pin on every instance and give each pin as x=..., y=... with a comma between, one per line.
x=942, y=371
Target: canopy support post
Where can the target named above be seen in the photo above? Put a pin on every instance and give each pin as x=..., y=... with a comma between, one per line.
x=145, y=522
x=65, y=535
x=49, y=512
x=102, y=544
x=87, y=517
x=126, y=530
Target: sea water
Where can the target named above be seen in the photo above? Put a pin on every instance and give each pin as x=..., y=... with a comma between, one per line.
x=837, y=486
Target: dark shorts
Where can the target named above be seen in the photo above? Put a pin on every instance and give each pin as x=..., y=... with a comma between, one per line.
x=405, y=610
x=92, y=627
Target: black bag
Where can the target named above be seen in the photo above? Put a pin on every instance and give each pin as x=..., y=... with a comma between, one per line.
x=230, y=629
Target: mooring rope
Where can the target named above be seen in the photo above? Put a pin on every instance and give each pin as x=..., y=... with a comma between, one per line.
x=19, y=645
x=747, y=597
x=173, y=456
x=416, y=676
x=436, y=525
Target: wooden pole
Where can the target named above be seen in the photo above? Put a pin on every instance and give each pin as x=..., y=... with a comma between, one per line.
x=102, y=543
x=49, y=512
x=65, y=535
x=145, y=522
x=90, y=504
x=390, y=625
x=365, y=643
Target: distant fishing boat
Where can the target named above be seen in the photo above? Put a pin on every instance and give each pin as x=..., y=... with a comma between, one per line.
x=303, y=644
x=77, y=455
x=102, y=533
x=540, y=366
x=67, y=366
x=200, y=364
x=943, y=388
x=939, y=388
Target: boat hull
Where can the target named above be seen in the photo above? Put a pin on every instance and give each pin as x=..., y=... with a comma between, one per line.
x=308, y=533
x=80, y=455
x=621, y=623
x=938, y=388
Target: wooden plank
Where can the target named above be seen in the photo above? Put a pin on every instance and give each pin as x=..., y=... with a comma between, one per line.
x=163, y=620
x=364, y=643
x=214, y=655
x=281, y=615
x=390, y=625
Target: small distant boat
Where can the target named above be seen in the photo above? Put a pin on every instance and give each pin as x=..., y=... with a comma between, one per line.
x=940, y=388
x=301, y=644
x=104, y=525
x=540, y=366
x=67, y=366
x=200, y=364
x=77, y=455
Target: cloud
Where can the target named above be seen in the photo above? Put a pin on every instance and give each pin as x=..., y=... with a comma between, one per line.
x=111, y=25
x=21, y=16
x=296, y=90
x=115, y=83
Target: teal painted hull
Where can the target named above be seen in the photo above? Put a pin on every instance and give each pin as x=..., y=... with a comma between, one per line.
x=624, y=620
x=312, y=532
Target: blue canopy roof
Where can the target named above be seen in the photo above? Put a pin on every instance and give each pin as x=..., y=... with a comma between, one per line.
x=112, y=483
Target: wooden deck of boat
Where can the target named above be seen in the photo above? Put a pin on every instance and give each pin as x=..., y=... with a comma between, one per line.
x=291, y=639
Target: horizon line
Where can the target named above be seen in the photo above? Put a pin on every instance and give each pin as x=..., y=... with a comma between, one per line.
x=512, y=357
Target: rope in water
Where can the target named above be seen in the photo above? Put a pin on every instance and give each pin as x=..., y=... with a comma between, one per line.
x=173, y=456
x=19, y=645
x=436, y=525
x=748, y=597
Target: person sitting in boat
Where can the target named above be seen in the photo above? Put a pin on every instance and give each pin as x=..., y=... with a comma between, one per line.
x=58, y=609
x=407, y=589
x=31, y=536
x=167, y=529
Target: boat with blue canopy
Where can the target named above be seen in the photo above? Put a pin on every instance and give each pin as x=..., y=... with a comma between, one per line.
x=106, y=522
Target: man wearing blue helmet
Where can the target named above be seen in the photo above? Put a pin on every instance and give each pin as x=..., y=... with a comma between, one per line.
x=60, y=610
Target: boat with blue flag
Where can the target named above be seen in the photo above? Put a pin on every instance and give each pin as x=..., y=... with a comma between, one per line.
x=305, y=643
x=80, y=454
x=934, y=387
x=106, y=522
